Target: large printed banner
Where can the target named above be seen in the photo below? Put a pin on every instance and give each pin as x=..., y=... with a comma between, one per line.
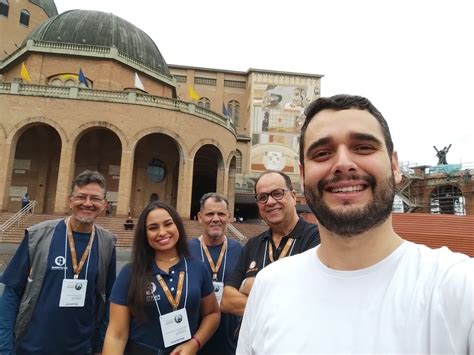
x=277, y=120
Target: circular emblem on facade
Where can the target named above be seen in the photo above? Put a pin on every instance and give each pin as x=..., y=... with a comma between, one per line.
x=156, y=170
x=252, y=265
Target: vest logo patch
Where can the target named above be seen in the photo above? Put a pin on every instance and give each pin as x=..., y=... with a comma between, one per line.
x=60, y=262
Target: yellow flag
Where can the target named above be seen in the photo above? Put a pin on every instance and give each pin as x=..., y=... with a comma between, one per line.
x=24, y=73
x=193, y=94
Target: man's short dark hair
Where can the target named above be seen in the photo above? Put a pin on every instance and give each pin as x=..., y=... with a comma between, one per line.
x=89, y=177
x=287, y=179
x=215, y=196
x=344, y=102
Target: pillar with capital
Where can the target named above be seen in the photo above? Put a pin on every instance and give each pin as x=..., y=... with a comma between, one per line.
x=7, y=158
x=125, y=183
x=65, y=177
x=185, y=187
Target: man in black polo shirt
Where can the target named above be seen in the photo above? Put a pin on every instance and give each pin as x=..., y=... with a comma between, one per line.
x=288, y=235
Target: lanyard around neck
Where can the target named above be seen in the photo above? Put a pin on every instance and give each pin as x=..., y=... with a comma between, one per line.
x=77, y=267
x=222, y=255
x=284, y=252
x=174, y=301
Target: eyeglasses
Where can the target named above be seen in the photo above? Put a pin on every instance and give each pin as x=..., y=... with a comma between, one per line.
x=83, y=198
x=277, y=194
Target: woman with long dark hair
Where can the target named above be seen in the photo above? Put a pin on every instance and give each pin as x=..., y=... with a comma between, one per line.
x=163, y=302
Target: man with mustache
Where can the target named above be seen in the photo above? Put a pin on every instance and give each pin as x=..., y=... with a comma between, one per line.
x=288, y=235
x=59, y=279
x=219, y=254
x=363, y=289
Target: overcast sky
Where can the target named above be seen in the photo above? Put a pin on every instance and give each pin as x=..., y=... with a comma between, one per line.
x=413, y=59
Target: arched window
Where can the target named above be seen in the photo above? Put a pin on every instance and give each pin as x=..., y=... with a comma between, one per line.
x=4, y=7
x=234, y=111
x=69, y=79
x=238, y=162
x=204, y=102
x=25, y=17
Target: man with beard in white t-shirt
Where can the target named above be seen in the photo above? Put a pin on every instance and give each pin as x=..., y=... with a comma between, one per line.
x=363, y=289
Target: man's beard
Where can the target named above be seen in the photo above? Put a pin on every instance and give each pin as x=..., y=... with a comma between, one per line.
x=84, y=220
x=354, y=221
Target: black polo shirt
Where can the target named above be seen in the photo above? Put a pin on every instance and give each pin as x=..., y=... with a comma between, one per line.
x=254, y=255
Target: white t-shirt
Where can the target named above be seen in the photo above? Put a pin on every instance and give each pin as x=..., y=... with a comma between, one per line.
x=417, y=300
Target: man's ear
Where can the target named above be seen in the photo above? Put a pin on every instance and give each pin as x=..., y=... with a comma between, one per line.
x=397, y=173
x=199, y=216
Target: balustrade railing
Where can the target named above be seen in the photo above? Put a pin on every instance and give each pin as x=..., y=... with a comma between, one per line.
x=17, y=219
x=242, y=238
x=79, y=93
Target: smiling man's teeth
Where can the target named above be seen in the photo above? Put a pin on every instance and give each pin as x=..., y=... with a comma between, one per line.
x=348, y=189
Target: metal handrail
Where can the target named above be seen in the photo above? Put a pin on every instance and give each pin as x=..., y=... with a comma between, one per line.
x=242, y=238
x=17, y=218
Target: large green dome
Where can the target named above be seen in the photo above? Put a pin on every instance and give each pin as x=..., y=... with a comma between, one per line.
x=101, y=29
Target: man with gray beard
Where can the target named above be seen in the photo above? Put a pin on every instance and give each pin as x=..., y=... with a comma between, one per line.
x=58, y=282
x=363, y=289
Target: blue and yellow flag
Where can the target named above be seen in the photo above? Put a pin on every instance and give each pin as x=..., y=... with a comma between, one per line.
x=82, y=78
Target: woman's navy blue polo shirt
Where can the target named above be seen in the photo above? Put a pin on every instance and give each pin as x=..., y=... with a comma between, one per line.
x=149, y=332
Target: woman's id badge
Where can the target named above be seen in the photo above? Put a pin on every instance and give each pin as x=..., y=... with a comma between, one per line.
x=175, y=327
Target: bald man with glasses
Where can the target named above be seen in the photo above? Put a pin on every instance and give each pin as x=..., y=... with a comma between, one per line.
x=288, y=235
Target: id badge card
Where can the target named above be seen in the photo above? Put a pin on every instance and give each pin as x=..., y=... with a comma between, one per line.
x=73, y=293
x=175, y=327
x=218, y=290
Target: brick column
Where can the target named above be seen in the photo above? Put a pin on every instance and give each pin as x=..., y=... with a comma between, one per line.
x=125, y=183
x=185, y=188
x=221, y=179
x=231, y=188
x=65, y=177
x=7, y=158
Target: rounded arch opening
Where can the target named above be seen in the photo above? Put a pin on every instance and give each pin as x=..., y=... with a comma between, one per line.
x=447, y=199
x=100, y=149
x=155, y=172
x=35, y=167
x=208, y=164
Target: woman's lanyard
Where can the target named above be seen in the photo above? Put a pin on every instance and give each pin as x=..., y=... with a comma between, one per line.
x=174, y=302
x=284, y=252
x=222, y=256
x=77, y=268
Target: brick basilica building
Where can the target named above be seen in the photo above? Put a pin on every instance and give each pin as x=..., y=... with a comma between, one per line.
x=89, y=90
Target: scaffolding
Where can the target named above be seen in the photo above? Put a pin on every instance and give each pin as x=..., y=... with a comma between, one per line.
x=409, y=192
x=437, y=190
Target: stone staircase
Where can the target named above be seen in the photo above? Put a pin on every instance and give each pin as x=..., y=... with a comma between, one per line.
x=115, y=225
